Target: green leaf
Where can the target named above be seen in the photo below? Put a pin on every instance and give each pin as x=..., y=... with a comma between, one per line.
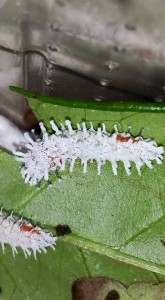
x=93, y=104
x=51, y=276
x=117, y=222
x=103, y=288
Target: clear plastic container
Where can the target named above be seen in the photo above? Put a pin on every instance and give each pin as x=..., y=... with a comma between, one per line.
x=103, y=50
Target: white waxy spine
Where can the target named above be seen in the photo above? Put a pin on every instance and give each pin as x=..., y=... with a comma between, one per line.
x=52, y=151
x=21, y=233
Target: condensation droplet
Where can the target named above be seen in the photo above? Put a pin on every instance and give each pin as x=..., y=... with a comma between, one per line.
x=119, y=48
x=104, y=82
x=112, y=66
x=130, y=26
x=53, y=48
x=47, y=82
x=99, y=99
x=159, y=99
x=50, y=67
x=15, y=52
x=55, y=27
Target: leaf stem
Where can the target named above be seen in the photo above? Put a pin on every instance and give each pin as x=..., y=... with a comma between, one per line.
x=93, y=104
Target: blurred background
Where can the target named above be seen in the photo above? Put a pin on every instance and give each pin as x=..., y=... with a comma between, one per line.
x=109, y=50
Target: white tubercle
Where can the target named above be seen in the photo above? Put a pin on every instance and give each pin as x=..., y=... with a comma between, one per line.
x=21, y=233
x=53, y=151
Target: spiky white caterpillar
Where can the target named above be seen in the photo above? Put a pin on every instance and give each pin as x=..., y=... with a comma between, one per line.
x=21, y=233
x=52, y=151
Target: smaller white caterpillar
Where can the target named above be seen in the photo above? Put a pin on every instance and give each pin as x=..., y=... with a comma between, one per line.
x=52, y=151
x=21, y=233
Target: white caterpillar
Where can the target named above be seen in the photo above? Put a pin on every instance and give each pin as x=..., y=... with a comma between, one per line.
x=21, y=233
x=52, y=151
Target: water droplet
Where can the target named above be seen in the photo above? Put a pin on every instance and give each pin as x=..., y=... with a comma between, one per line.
x=53, y=48
x=112, y=65
x=119, y=48
x=159, y=99
x=47, y=82
x=116, y=247
x=55, y=27
x=50, y=67
x=104, y=82
x=130, y=26
x=15, y=52
x=99, y=99
x=163, y=88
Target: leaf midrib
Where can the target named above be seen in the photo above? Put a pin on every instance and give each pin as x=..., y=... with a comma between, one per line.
x=113, y=253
